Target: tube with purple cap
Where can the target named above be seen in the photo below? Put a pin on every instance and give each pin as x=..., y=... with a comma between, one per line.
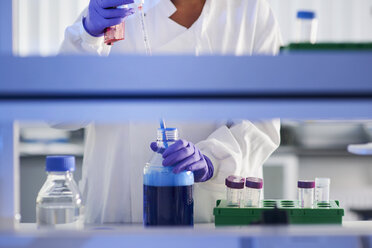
x=306, y=193
x=253, y=189
x=235, y=186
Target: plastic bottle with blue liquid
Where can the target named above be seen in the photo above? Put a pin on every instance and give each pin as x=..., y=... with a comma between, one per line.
x=167, y=197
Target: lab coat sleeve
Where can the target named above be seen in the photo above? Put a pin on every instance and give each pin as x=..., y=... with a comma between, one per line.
x=240, y=150
x=78, y=41
x=267, y=38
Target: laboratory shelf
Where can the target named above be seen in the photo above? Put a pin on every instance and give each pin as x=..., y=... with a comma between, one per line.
x=346, y=46
x=303, y=86
x=308, y=75
x=111, y=89
x=319, y=152
x=202, y=235
x=44, y=149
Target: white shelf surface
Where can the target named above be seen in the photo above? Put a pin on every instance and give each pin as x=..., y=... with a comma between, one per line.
x=42, y=149
x=202, y=235
x=301, y=86
x=306, y=74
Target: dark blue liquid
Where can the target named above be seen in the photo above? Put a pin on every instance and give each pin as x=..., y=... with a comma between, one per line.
x=168, y=206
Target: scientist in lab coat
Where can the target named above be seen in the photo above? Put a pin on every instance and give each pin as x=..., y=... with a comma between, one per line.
x=115, y=155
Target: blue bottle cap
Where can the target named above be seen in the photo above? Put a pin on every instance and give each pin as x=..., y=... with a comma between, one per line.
x=306, y=15
x=60, y=163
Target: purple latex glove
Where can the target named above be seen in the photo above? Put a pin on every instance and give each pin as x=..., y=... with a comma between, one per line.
x=103, y=14
x=186, y=156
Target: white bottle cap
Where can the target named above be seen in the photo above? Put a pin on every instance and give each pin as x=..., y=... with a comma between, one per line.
x=322, y=182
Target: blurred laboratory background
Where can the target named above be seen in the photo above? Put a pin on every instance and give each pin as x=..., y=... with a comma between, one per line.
x=309, y=149
x=39, y=24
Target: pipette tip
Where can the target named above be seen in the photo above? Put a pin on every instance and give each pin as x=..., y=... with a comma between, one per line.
x=162, y=124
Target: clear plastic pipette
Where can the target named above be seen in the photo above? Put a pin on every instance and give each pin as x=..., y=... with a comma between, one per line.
x=144, y=28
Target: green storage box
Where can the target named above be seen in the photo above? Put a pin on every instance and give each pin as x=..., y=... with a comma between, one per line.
x=327, y=47
x=323, y=213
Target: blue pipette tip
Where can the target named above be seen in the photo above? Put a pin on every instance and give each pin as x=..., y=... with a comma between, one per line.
x=163, y=126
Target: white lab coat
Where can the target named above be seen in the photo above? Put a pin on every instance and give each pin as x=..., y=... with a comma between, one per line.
x=116, y=154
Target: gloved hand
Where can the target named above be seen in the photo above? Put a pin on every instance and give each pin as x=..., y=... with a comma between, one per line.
x=186, y=156
x=103, y=14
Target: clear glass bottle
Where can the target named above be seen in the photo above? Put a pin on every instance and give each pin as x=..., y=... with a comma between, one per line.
x=167, y=197
x=253, y=188
x=234, y=190
x=307, y=27
x=306, y=193
x=58, y=203
x=322, y=187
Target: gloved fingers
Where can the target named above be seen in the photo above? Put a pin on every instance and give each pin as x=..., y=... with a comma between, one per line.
x=178, y=145
x=154, y=146
x=113, y=3
x=197, y=165
x=184, y=164
x=113, y=22
x=114, y=13
x=129, y=12
x=178, y=156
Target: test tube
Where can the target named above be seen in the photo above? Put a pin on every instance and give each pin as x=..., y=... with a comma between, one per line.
x=322, y=186
x=306, y=193
x=307, y=27
x=144, y=28
x=235, y=186
x=253, y=188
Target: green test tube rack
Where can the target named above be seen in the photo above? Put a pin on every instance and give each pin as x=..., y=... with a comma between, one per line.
x=321, y=213
x=295, y=47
